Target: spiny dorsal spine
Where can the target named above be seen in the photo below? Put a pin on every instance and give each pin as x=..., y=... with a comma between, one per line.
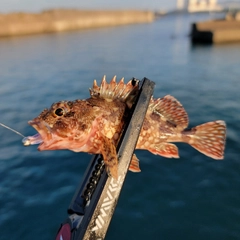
x=114, y=90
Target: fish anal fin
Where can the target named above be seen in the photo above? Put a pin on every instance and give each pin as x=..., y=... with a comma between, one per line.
x=109, y=153
x=209, y=139
x=171, y=110
x=134, y=165
x=168, y=150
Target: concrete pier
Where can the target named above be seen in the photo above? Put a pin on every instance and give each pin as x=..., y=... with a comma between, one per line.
x=216, y=31
x=58, y=20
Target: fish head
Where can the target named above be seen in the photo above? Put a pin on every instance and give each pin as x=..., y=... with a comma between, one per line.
x=80, y=125
x=57, y=127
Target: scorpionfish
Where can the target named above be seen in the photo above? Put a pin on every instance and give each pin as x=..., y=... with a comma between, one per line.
x=94, y=125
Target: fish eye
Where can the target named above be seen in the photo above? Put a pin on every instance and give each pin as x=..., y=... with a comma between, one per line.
x=59, y=112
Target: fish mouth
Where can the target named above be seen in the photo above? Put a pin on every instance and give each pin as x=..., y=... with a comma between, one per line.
x=32, y=140
x=43, y=136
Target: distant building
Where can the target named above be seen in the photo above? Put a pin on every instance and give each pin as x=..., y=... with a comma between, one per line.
x=181, y=5
x=198, y=5
x=203, y=6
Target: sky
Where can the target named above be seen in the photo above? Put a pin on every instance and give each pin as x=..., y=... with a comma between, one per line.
x=39, y=5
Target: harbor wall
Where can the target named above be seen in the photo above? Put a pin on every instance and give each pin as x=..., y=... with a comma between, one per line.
x=216, y=31
x=59, y=20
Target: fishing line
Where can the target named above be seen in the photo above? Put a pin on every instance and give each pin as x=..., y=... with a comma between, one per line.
x=11, y=129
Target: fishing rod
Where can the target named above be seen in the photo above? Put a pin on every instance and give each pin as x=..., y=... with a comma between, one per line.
x=94, y=202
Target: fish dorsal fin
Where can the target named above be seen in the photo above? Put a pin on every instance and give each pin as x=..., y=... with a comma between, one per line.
x=113, y=90
x=171, y=110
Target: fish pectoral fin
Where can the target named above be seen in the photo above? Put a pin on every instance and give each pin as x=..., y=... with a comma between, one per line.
x=168, y=150
x=134, y=165
x=109, y=153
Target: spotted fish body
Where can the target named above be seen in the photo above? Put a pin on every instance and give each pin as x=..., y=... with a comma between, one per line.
x=95, y=124
x=166, y=121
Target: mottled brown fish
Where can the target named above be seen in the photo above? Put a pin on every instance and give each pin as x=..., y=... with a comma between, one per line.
x=95, y=124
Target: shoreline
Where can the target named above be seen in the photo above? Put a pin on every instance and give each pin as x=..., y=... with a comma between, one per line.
x=59, y=20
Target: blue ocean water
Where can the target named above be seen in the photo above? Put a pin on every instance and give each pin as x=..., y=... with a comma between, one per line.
x=193, y=197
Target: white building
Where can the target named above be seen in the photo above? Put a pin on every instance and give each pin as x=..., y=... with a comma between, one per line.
x=198, y=5
x=203, y=6
x=181, y=4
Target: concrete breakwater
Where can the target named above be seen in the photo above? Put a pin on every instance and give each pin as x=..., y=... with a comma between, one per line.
x=65, y=19
x=216, y=31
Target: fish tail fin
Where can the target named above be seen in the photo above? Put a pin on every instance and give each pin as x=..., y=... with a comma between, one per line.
x=113, y=90
x=209, y=139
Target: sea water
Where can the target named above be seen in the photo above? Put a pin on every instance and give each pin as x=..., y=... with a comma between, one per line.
x=193, y=197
